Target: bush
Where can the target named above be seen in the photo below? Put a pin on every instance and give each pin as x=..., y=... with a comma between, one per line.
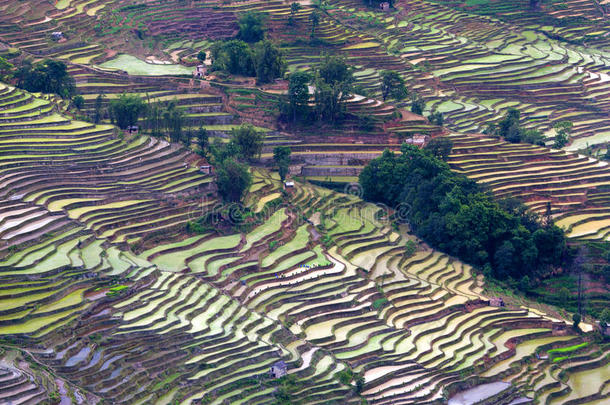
x=251, y=27
x=268, y=62
x=126, y=110
x=78, y=101
x=233, y=180
x=48, y=76
x=452, y=213
x=380, y=303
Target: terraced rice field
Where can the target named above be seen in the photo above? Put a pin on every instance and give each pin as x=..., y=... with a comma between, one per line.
x=104, y=296
x=204, y=317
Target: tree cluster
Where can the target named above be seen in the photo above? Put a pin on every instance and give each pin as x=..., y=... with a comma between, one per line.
x=453, y=214
x=262, y=60
x=252, y=27
x=230, y=159
x=510, y=129
x=47, y=76
x=126, y=110
x=393, y=85
x=332, y=84
x=281, y=157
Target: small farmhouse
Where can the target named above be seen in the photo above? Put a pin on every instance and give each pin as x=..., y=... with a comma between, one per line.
x=278, y=369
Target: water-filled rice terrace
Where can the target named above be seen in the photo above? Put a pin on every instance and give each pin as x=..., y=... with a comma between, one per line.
x=104, y=296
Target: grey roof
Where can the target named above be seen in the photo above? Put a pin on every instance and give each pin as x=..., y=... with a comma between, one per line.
x=280, y=364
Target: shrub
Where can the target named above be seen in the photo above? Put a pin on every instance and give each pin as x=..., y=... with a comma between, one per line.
x=252, y=27
x=380, y=303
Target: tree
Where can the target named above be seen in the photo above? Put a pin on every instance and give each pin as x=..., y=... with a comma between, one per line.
x=298, y=94
x=203, y=141
x=532, y=136
x=175, y=120
x=5, y=68
x=333, y=84
x=314, y=18
x=98, y=112
x=454, y=214
x=440, y=147
x=563, y=130
x=393, y=85
x=268, y=62
x=436, y=118
x=508, y=127
x=232, y=56
x=281, y=157
x=524, y=283
x=126, y=110
x=417, y=105
x=605, y=316
x=251, y=27
x=48, y=76
x=233, y=180
x=78, y=101
x=248, y=141
x=359, y=383
x=576, y=320
x=564, y=296
x=334, y=70
x=201, y=56
x=535, y=4
x=294, y=9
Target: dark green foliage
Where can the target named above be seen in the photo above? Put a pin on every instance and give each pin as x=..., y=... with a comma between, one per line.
x=440, y=147
x=173, y=120
x=203, y=141
x=359, y=383
x=126, y=110
x=564, y=296
x=196, y=227
x=417, y=105
x=298, y=93
x=509, y=128
x=294, y=9
x=314, y=19
x=345, y=376
x=576, y=320
x=605, y=316
x=563, y=130
x=410, y=248
x=48, y=76
x=232, y=56
x=453, y=214
x=333, y=84
x=5, y=68
x=248, y=140
x=201, y=56
x=281, y=157
x=393, y=85
x=532, y=136
x=524, y=283
x=268, y=62
x=436, y=118
x=286, y=387
x=252, y=27
x=78, y=101
x=233, y=180
x=380, y=303
x=98, y=112
x=264, y=60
